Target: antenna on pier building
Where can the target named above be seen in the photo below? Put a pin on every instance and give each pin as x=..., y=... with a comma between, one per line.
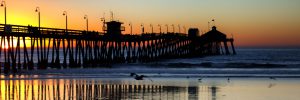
x=111, y=15
x=213, y=22
x=208, y=28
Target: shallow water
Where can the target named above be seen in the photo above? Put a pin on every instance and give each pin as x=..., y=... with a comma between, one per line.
x=157, y=89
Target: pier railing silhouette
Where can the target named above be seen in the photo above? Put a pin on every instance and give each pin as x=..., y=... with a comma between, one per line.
x=60, y=48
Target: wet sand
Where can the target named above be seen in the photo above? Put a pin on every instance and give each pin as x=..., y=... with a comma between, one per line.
x=160, y=88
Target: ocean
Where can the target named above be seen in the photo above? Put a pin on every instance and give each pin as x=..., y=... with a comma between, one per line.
x=252, y=74
x=262, y=62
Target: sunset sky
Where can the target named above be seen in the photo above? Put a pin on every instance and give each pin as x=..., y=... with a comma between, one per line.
x=252, y=22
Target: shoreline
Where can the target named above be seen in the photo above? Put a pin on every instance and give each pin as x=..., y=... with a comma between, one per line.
x=122, y=76
x=166, y=71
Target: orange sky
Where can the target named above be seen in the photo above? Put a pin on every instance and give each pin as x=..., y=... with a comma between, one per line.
x=252, y=22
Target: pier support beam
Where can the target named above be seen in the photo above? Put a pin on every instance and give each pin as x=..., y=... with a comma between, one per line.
x=232, y=46
x=226, y=47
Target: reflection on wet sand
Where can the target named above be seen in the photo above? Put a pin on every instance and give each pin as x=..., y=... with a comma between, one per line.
x=45, y=88
x=76, y=89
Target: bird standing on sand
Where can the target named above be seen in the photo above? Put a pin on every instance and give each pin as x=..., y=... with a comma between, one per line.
x=228, y=80
x=273, y=78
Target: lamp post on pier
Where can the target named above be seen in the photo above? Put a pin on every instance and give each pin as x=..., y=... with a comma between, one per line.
x=65, y=14
x=179, y=28
x=39, y=16
x=143, y=29
x=173, y=28
x=3, y=4
x=159, y=28
x=6, y=60
x=151, y=27
x=184, y=29
x=167, y=28
x=87, y=23
x=130, y=24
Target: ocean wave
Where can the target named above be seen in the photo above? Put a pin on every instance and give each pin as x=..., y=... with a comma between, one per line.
x=221, y=65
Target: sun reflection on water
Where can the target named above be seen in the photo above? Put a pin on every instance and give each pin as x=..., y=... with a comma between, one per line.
x=24, y=88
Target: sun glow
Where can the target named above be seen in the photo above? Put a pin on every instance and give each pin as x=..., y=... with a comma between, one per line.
x=14, y=44
x=269, y=22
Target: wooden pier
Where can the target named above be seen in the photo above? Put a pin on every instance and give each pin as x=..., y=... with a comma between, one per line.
x=28, y=48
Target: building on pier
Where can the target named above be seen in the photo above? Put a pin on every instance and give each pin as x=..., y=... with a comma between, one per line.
x=213, y=40
x=114, y=29
x=193, y=33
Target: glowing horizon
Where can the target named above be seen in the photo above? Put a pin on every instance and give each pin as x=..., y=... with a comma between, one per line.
x=252, y=23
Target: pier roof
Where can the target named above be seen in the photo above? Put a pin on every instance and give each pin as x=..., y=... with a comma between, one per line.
x=214, y=35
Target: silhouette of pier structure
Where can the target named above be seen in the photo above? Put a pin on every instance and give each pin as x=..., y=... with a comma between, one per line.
x=27, y=47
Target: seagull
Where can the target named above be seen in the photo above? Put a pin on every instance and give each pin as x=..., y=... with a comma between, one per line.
x=228, y=80
x=139, y=77
x=200, y=80
x=273, y=78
